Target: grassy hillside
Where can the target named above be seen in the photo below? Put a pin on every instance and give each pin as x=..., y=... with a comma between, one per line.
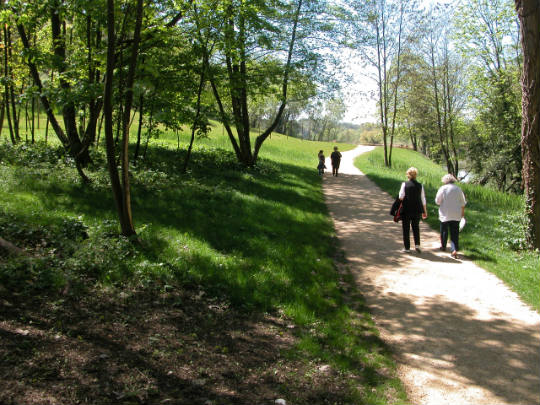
x=494, y=235
x=236, y=293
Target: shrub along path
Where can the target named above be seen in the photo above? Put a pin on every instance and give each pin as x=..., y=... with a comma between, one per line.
x=459, y=334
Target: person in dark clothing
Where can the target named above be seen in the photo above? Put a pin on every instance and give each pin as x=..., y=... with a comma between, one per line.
x=335, y=156
x=414, y=207
x=321, y=166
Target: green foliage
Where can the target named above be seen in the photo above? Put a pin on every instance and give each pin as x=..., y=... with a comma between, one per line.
x=488, y=36
x=513, y=226
x=494, y=235
x=494, y=137
x=35, y=155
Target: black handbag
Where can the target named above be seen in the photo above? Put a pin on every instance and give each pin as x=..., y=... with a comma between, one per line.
x=396, y=210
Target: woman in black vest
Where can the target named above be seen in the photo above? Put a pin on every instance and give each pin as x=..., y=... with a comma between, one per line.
x=414, y=207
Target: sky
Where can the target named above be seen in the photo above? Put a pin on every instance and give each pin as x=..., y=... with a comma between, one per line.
x=360, y=91
x=360, y=94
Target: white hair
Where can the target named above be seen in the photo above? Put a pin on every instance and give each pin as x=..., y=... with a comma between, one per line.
x=448, y=178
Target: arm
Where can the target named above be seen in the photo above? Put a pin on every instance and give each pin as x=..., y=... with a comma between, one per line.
x=439, y=196
x=424, y=204
x=402, y=192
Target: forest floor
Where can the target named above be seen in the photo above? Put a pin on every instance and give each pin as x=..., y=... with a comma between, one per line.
x=459, y=334
x=151, y=347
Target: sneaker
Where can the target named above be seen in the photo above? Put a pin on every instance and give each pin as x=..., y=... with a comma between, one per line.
x=406, y=250
x=417, y=248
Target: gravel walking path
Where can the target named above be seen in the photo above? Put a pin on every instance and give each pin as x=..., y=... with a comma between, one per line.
x=459, y=334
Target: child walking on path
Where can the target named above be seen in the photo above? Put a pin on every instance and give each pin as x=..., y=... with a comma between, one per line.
x=321, y=166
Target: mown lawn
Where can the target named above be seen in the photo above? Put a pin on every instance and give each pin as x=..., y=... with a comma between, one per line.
x=236, y=291
x=493, y=236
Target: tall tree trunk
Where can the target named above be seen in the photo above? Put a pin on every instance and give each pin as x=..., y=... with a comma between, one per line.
x=382, y=102
x=223, y=114
x=284, y=87
x=76, y=147
x=33, y=123
x=196, y=120
x=440, y=127
x=2, y=114
x=11, y=87
x=130, y=81
x=149, y=131
x=26, y=119
x=396, y=86
x=109, y=131
x=529, y=16
x=7, y=86
x=44, y=99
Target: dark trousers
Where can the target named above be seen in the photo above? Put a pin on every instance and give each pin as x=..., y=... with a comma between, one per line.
x=409, y=222
x=453, y=226
x=335, y=168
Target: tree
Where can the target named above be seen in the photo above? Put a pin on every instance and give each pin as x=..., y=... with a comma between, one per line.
x=120, y=187
x=73, y=56
x=415, y=107
x=381, y=28
x=255, y=43
x=324, y=117
x=446, y=74
x=488, y=38
x=529, y=16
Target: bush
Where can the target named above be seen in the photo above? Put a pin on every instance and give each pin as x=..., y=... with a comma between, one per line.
x=63, y=252
x=514, y=230
x=36, y=155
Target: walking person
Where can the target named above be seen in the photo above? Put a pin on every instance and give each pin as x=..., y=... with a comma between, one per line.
x=451, y=202
x=321, y=166
x=414, y=207
x=335, y=157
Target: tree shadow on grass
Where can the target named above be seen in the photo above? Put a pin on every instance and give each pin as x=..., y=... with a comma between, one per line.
x=180, y=347
x=137, y=352
x=476, y=254
x=266, y=215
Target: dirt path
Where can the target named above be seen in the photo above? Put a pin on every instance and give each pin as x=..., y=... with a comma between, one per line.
x=459, y=334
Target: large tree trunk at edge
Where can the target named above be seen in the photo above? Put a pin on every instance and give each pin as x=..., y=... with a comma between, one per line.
x=529, y=16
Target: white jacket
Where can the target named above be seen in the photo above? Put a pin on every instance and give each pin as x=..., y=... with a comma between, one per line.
x=451, y=200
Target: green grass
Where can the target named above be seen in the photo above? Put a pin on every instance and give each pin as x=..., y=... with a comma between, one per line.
x=260, y=238
x=493, y=237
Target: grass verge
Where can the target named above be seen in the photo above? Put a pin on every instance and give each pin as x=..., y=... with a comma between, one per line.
x=234, y=295
x=494, y=235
